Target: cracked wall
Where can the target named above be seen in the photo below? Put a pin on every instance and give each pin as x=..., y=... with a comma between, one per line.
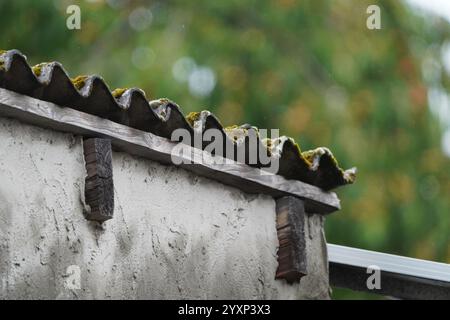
x=174, y=235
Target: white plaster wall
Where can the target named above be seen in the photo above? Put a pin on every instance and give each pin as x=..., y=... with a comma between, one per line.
x=174, y=235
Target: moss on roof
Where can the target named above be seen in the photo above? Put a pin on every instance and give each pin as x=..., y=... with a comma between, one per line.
x=2, y=62
x=318, y=167
x=37, y=69
x=192, y=117
x=79, y=82
x=117, y=93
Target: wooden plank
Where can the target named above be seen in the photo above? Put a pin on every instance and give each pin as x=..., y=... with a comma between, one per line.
x=144, y=144
x=291, y=237
x=99, y=185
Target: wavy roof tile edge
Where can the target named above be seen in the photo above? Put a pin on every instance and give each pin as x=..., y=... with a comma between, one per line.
x=49, y=81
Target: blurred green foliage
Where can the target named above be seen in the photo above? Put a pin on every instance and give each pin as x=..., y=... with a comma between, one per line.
x=310, y=68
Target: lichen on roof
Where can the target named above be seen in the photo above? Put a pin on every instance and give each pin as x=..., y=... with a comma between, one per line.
x=37, y=69
x=192, y=117
x=2, y=62
x=313, y=156
x=162, y=116
x=230, y=128
x=118, y=92
x=79, y=82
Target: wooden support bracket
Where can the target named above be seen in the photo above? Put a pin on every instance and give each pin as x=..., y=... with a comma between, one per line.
x=99, y=187
x=291, y=237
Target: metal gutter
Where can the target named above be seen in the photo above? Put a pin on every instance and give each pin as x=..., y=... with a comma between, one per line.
x=401, y=277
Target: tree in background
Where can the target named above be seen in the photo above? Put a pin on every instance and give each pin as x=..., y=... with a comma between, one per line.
x=310, y=68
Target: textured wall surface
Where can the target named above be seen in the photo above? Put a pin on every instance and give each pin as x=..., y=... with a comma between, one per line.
x=173, y=235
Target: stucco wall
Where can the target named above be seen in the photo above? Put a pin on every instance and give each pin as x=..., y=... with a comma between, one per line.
x=173, y=235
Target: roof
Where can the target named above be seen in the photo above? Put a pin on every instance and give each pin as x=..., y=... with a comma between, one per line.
x=130, y=107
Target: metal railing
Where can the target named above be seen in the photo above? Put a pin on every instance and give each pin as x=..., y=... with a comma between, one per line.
x=399, y=277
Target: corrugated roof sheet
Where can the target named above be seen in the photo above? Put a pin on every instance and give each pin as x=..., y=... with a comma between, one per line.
x=90, y=94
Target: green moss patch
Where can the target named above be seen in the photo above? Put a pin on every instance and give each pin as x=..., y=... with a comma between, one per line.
x=192, y=117
x=2, y=63
x=117, y=93
x=79, y=82
x=37, y=69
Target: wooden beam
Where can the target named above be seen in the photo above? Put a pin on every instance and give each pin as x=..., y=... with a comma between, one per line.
x=147, y=145
x=291, y=237
x=99, y=186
